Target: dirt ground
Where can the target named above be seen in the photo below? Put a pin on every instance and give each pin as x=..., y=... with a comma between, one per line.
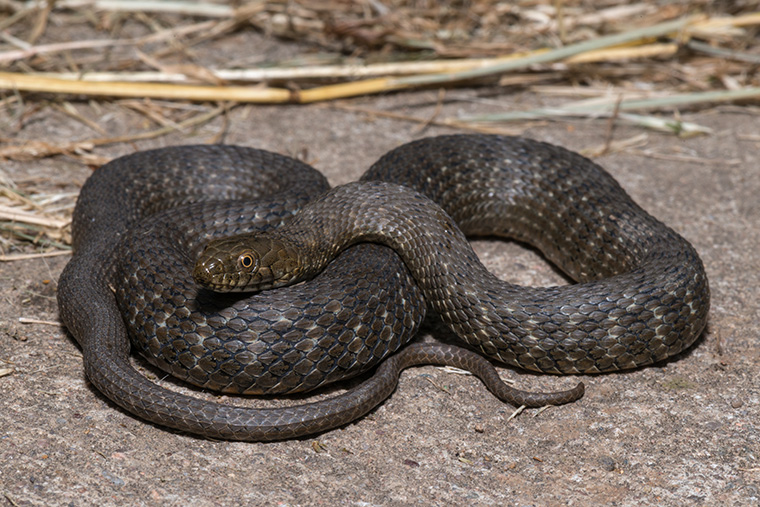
x=684, y=432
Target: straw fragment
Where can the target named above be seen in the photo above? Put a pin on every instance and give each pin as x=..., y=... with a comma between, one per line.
x=606, y=107
x=13, y=81
x=25, y=257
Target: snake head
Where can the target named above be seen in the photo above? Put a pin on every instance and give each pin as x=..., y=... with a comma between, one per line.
x=248, y=262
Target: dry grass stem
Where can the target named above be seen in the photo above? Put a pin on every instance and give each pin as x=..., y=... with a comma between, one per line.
x=59, y=47
x=24, y=82
x=167, y=6
x=299, y=73
x=517, y=412
x=20, y=216
x=26, y=320
x=684, y=158
x=24, y=257
x=606, y=106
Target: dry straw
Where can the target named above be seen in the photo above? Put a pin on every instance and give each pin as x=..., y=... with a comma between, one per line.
x=629, y=45
x=721, y=44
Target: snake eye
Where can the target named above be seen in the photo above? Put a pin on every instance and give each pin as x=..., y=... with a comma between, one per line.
x=247, y=261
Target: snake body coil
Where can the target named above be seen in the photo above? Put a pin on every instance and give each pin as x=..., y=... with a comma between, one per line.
x=142, y=220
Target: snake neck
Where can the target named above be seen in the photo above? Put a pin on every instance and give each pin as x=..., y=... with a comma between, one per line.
x=418, y=230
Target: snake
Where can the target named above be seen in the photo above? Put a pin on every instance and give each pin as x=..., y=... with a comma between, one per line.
x=239, y=270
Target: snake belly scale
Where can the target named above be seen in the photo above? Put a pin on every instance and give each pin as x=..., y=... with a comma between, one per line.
x=142, y=220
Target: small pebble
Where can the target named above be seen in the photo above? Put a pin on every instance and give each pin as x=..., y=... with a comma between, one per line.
x=607, y=463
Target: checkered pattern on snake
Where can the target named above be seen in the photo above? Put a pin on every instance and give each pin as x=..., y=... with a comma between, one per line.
x=142, y=220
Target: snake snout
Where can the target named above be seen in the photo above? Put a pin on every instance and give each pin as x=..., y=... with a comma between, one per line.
x=207, y=272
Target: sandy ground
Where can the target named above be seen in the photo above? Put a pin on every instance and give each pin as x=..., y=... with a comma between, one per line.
x=684, y=432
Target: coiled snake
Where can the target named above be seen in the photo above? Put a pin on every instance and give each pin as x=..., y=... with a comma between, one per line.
x=141, y=222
